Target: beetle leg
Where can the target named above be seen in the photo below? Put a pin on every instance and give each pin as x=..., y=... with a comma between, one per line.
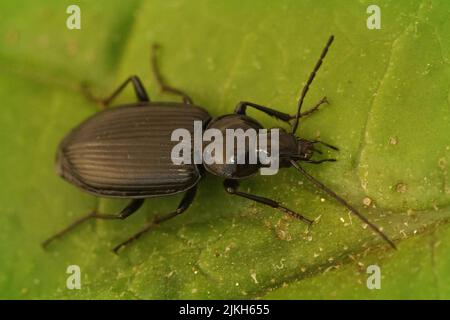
x=131, y=208
x=343, y=202
x=185, y=202
x=139, y=89
x=159, y=78
x=313, y=109
x=231, y=187
x=319, y=161
x=325, y=144
x=241, y=108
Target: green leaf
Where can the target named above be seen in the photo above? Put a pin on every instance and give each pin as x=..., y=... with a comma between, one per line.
x=389, y=114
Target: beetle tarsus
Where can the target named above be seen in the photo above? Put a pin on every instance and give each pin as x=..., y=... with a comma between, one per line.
x=134, y=237
x=87, y=93
x=131, y=208
x=67, y=229
x=160, y=79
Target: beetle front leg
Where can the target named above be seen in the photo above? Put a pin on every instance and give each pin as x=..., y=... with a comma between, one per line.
x=139, y=89
x=241, y=108
x=131, y=208
x=320, y=161
x=185, y=202
x=231, y=186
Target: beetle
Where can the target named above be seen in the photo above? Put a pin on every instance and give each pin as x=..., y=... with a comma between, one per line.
x=124, y=152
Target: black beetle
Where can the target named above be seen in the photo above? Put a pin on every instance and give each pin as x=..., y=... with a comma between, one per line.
x=124, y=152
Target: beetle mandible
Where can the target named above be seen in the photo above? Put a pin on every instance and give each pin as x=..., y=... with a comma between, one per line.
x=124, y=152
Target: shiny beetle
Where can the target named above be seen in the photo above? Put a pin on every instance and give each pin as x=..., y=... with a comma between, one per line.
x=124, y=152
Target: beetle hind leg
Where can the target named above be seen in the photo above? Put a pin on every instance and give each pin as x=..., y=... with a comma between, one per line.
x=131, y=208
x=241, y=108
x=185, y=202
x=159, y=78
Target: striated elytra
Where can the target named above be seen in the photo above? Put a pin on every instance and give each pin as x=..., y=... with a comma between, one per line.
x=124, y=152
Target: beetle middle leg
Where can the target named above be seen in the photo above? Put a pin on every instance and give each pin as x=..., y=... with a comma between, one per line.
x=139, y=90
x=131, y=208
x=159, y=78
x=231, y=186
x=185, y=202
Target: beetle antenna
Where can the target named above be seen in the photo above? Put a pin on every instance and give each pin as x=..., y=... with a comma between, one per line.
x=339, y=199
x=310, y=80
